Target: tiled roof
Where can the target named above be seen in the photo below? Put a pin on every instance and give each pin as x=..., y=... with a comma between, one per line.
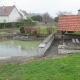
x=69, y=23
x=6, y=10
x=24, y=12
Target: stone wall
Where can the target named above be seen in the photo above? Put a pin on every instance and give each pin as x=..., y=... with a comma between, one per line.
x=43, y=47
x=67, y=36
x=21, y=37
x=63, y=49
x=3, y=37
x=27, y=37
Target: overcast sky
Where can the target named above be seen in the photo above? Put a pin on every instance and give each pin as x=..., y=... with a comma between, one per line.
x=42, y=6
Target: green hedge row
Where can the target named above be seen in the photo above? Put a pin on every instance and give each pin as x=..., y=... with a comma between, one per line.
x=10, y=25
x=16, y=24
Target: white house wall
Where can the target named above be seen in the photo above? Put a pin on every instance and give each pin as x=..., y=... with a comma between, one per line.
x=14, y=16
x=4, y=19
x=24, y=17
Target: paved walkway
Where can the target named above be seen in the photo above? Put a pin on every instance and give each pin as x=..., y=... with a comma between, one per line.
x=53, y=50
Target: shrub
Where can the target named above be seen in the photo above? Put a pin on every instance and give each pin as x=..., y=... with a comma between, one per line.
x=27, y=30
x=22, y=29
x=29, y=22
x=49, y=30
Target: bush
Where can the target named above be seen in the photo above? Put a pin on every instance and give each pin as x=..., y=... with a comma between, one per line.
x=49, y=30
x=28, y=22
x=27, y=30
x=22, y=30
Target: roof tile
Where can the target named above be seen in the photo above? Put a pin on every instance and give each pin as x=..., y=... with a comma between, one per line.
x=69, y=23
x=6, y=10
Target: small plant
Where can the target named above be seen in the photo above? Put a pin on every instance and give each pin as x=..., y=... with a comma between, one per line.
x=27, y=30
x=36, y=32
x=49, y=30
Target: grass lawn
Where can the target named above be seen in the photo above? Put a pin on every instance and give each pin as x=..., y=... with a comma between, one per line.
x=67, y=68
x=76, y=33
x=43, y=30
x=9, y=30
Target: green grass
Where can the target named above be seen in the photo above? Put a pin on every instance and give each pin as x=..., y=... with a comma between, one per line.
x=4, y=33
x=54, y=29
x=9, y=30
x=43, y=30
x=67, y=68
x=76, y=32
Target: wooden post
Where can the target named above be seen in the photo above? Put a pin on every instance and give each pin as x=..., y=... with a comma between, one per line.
x=62, y=38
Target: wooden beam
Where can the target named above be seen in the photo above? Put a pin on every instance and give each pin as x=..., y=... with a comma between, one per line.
x=62, y=37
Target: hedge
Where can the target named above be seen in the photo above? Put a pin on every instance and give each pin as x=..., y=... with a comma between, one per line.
x=10, y=25
x=16, y=24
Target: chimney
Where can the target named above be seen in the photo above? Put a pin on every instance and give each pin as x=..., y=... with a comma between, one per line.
x=3, y=7
x=79, y=12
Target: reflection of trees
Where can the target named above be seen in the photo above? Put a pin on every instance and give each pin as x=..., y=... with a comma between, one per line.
x=27, y=48
x=22, y=47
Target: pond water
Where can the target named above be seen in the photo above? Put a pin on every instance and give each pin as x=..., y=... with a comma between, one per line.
x=11, y=48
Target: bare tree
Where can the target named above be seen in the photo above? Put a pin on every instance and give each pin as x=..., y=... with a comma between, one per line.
x=13, y=24
x=63, y=13
x=46, y=18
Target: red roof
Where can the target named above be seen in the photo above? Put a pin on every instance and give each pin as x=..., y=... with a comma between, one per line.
x=69, y=23
x=6, y=10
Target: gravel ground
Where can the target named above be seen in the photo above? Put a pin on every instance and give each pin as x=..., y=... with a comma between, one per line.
x=18, y=59
x=24, y=60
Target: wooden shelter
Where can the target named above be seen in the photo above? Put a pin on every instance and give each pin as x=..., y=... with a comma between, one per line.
x=69, y=23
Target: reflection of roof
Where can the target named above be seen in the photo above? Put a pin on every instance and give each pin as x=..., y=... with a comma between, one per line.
x=69, y=23
x=6, y=10
x=24, y=12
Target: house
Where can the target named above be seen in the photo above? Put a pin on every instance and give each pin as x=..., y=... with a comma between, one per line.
x=9, y=14
x=24, y=14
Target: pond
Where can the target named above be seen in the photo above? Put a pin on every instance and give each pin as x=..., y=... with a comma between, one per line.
x=11, y=48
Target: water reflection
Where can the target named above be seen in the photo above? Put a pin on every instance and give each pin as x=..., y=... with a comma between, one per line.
x=11, y=50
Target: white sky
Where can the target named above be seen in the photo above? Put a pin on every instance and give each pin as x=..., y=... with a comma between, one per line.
x=42, y=6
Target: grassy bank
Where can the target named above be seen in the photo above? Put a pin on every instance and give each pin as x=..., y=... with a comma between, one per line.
x=67, y=68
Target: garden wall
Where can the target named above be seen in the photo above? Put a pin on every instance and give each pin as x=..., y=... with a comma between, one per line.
x=63, y=49
x=27, y=37
x=23, y=37
x=67, y=36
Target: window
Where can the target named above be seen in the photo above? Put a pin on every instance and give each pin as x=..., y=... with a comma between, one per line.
x=4, y=20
